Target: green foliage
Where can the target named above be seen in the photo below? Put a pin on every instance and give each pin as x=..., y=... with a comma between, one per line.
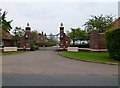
x=113, y=42
x=6, y=25
x=77, y=34
x=34, y=44
x=46, y=44
x=18, y=31
x=101, y=23
x=34, y=34
x=90, y=56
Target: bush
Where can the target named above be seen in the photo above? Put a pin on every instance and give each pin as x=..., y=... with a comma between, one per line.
x=113, y=43
x=46, y=44
x=34, y=48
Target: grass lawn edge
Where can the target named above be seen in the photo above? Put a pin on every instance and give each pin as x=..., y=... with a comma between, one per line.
x=92, y=61
x=12, y=53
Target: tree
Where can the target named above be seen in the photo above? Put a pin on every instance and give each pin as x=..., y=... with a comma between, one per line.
x=6, y=25
x=77, y=34
x=17, y=32
x=101, y=23
x=34, y=34
x=52, y=39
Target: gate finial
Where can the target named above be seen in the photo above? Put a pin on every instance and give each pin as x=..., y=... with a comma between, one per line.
x=61, y=24
x=28, y=24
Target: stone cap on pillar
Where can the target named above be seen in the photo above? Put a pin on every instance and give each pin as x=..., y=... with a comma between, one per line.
x=61, y=24
x=28, y=28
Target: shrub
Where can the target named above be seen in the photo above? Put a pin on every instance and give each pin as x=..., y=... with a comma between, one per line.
x=34, y=48
x=113, y=43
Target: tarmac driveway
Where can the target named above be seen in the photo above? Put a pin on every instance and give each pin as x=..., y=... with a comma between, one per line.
x=47, y=68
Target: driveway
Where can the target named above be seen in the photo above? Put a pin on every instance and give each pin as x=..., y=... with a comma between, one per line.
x=47, y=68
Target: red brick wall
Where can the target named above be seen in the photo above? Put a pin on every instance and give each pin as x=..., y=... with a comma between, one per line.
x=94, y=39
x=102, y=41
x=97, y=40
x=116, y=23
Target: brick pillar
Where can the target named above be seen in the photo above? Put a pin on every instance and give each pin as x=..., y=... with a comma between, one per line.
x=64, y=40
x=62, y=36
x=102, y=41
x=94, y=39
x=26, y=39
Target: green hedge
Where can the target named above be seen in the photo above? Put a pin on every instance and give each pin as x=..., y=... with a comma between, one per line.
x=113, y=43
x=47, y=43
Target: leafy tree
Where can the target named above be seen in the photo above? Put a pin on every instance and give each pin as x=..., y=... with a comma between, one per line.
x=34, y=34
x=101, y=23
x=17, y=32
x=34, y=39
x=77, y=34
x=52, y=38
x=6, y=25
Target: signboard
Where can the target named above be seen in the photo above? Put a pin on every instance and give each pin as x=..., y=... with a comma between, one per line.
x=73, y=49
x=6, y=49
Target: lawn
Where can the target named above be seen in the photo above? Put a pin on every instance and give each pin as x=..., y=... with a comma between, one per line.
x=8, y=53
x=92, y=56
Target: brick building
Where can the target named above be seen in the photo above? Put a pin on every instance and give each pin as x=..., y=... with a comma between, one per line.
x=116, y=23
x=6, y=39
x=42, y=37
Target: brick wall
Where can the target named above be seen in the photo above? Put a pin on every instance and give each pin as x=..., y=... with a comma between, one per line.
x=97, y=40
x=116, y=23
x=102, y=41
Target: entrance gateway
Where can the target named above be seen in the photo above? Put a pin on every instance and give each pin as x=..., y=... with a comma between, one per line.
x=63, y=41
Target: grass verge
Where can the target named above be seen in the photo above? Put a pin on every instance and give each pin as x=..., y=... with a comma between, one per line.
x=9, y=53
x=102, y=57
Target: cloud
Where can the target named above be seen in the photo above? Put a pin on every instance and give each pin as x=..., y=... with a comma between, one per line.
x=47, y=16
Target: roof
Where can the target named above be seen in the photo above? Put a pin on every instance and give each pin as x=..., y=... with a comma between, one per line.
x=116, y=23
x=5, y=34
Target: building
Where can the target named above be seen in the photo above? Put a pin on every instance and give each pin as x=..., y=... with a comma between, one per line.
x=42, y=37
x=6, y=39
x=116, y=23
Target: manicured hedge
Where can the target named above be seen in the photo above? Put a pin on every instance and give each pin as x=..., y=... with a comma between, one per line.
x=113, y=43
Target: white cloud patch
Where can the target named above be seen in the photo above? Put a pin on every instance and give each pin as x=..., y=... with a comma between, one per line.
x=47, y=16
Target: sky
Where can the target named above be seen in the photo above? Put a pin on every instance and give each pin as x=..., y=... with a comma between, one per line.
x=47, y=15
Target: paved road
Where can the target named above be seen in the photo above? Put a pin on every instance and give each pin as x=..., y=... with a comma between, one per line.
x=47, y=68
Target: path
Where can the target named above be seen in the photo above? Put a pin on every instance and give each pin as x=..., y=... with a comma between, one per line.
x=47, y=68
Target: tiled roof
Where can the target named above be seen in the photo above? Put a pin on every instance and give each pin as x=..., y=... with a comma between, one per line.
x=5, y=35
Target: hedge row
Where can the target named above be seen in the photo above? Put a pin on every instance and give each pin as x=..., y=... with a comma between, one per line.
x=113, y=43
